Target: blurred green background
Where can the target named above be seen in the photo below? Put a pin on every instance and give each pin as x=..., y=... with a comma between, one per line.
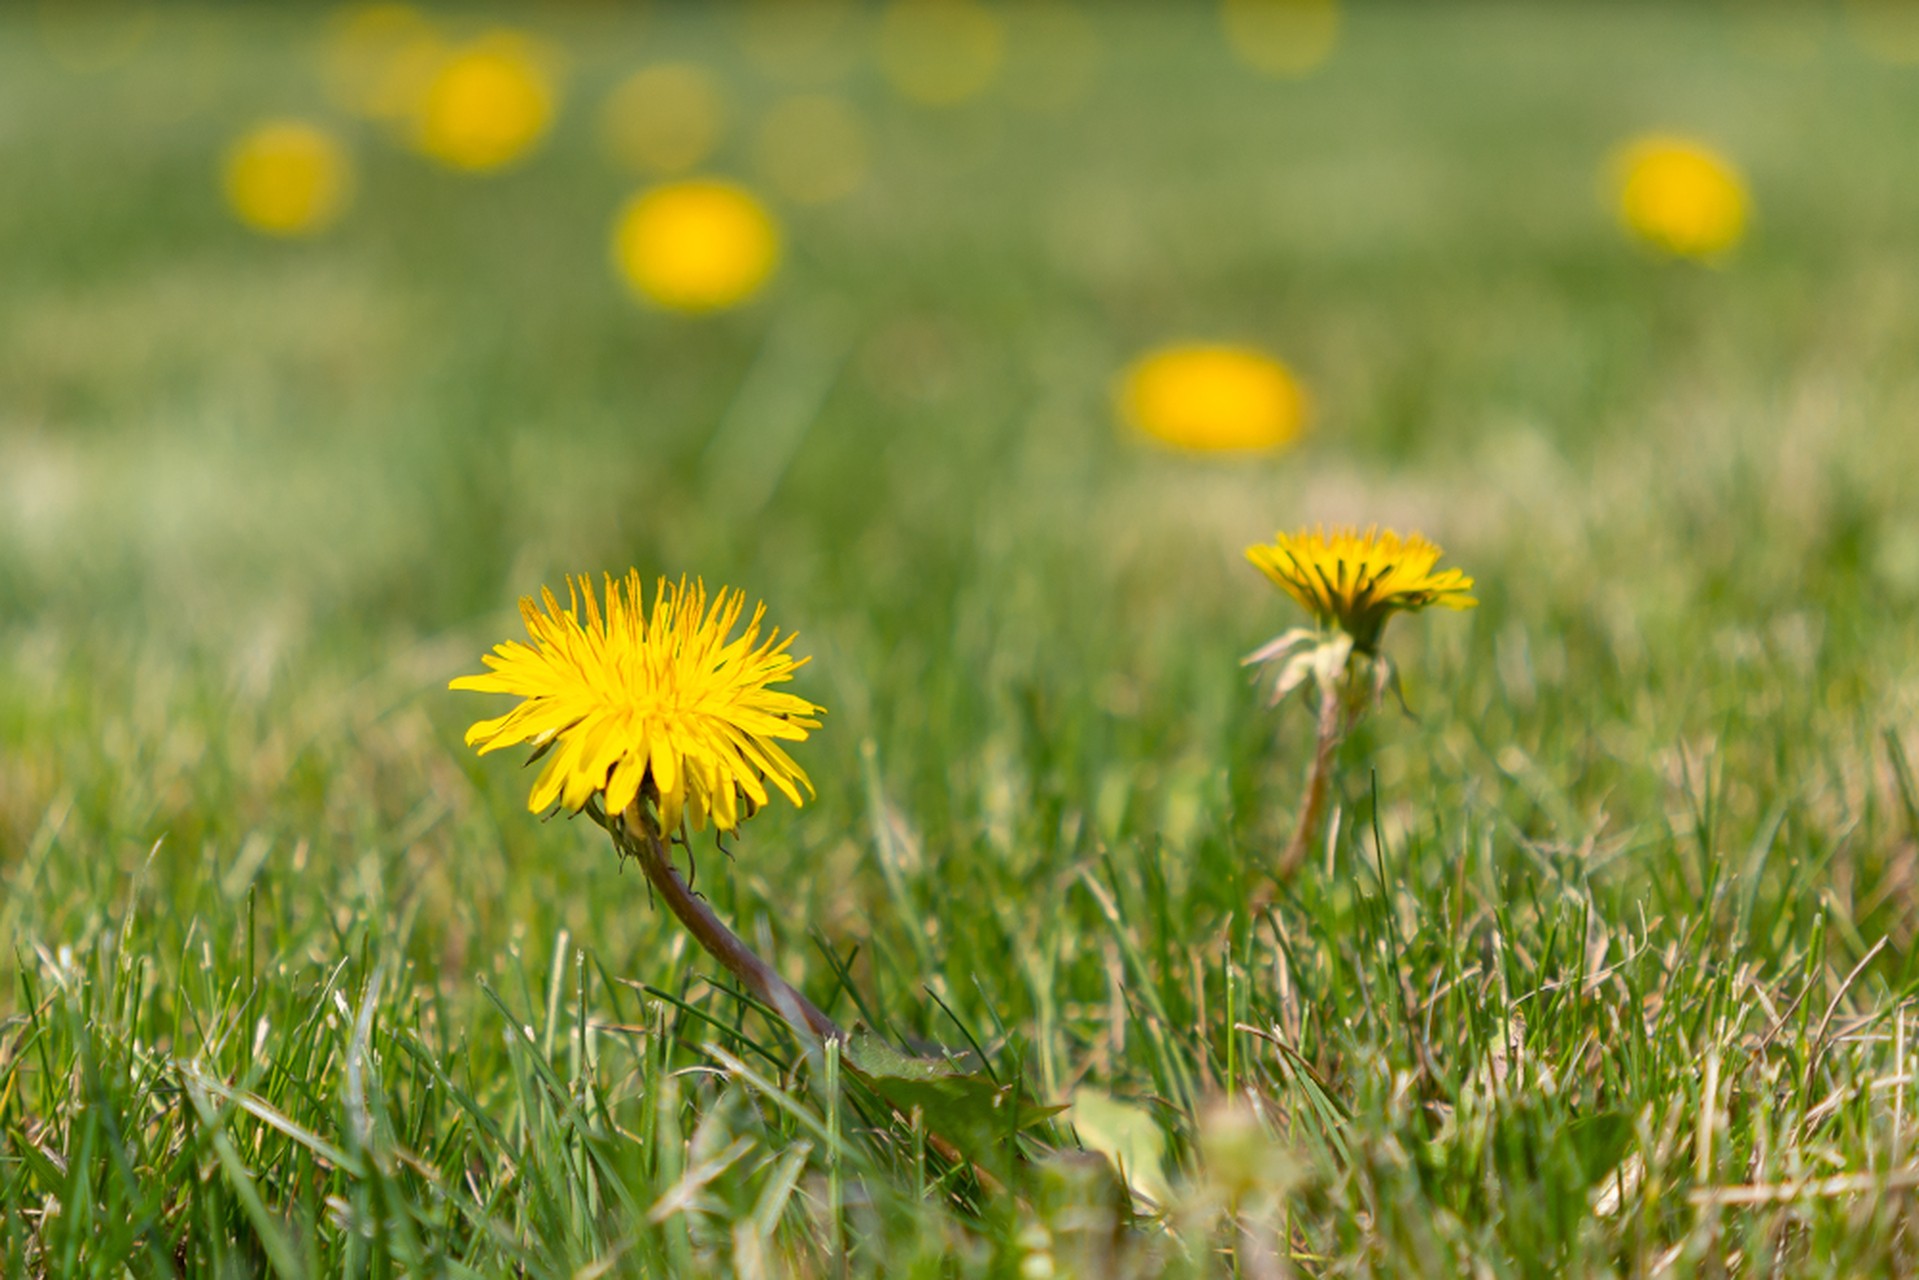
x=302, y=480
x=260, y=498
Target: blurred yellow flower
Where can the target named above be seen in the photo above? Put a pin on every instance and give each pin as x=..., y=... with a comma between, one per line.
x=1357, y=581
x=812, y=149
x=664, y=119
x=1214, y=398
x=669, y=710
x=939, y=52
x=698, y=245
x=377, y=59
x=488, y=104
x=1281, y=37
x=287, y=178
x=1680, y=197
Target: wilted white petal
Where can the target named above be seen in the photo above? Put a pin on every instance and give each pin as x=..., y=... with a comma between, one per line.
x=1292, y=676
x=1278, y=646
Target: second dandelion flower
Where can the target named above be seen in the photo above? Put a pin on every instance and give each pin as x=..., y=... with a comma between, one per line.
x=288, y=178
x=488, y=104
x=1213, y=398
x=1680, y=197
x=700, y=245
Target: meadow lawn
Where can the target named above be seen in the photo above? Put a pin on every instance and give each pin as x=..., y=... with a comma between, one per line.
x=1606, y=969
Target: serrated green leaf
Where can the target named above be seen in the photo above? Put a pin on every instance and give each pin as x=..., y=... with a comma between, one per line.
x=968, y=1108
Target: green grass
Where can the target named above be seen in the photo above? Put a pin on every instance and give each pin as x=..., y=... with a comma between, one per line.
x=293, y=985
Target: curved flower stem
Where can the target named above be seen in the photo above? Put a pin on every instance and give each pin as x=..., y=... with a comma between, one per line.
x=1331, y=729
x=639, y=836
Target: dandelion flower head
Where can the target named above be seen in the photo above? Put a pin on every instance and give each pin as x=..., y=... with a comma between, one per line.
x=665, y=118
x=288, y=178
x=1680, y=197
x=489, y=103
x=1281, y=37
x=697, y=245
x=1213, y=399
x=940, y=52
x=666, y=707
x=378, y=59
x=1357, y=581
x=811, y=148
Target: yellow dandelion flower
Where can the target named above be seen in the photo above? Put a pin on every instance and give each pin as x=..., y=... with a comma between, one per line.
x=287, y=178
x=378, y=59
x=488, y=104
x=664, y=119
x=667, y=708
x=812, y=149
x=699, y=245
x=1680, y=197
x=940, y=52
x=1357, y=581
x=1281, y=37
x=1212, y=398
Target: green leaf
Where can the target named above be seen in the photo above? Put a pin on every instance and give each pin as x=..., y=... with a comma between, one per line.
x=967, y=1108
x=1127, y=1136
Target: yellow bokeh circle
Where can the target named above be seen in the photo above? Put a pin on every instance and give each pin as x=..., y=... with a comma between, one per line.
x=1213, y=398
x=811, y=149
x=488, y=103
x=698, y=245
x=377, y=59
x=940, y=52
x=287, y=178
x=1281, y=37
x=664, y=119
x=1680, y=197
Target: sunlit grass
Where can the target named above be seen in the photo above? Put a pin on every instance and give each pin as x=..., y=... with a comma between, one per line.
x=1605, y=965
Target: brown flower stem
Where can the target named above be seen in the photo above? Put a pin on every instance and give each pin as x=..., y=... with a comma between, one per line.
x=1331, y=729
x=639, y=836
